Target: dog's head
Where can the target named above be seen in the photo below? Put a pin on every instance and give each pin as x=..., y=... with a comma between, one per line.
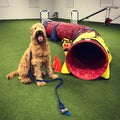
x=38, y=33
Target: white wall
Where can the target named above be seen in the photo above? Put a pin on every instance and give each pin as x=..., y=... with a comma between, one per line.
x=85, y=8
x=20, y=9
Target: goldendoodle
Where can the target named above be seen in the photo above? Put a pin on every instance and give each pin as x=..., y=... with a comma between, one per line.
x=40, y=57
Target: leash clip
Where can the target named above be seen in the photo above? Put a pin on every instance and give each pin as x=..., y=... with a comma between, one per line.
x=65, y=111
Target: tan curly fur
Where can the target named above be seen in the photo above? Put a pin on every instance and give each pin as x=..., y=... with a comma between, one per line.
x=40, y=57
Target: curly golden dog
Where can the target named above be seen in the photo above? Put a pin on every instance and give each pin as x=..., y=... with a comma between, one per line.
x=40, y=58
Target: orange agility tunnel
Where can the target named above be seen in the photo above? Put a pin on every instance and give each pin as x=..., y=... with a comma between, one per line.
x=88, y=58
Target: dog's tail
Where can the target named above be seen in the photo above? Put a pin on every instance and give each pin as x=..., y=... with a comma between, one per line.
x=12, y=74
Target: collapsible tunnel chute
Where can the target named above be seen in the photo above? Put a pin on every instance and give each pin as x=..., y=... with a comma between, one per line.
x=89, y=57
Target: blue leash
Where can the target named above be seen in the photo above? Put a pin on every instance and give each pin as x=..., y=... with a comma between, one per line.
x=61, y=106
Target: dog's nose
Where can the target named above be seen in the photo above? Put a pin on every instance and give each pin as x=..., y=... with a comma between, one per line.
x=40, y=32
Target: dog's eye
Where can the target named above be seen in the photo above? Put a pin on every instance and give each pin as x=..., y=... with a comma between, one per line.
x=35, y=28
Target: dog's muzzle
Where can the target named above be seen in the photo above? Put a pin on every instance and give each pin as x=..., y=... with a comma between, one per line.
x=39, y=36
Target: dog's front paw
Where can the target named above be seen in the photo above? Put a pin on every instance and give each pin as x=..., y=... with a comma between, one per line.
x=26, y=80
x=41, y=83
x=53, y=76
x=8, y=77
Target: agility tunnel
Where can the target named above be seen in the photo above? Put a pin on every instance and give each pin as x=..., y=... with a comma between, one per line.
x=88, y=58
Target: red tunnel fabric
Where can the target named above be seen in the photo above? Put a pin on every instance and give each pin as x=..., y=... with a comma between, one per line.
x=87, y=60
x=64, y=30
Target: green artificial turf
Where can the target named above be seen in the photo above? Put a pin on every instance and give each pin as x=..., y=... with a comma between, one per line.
x=86, y=100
